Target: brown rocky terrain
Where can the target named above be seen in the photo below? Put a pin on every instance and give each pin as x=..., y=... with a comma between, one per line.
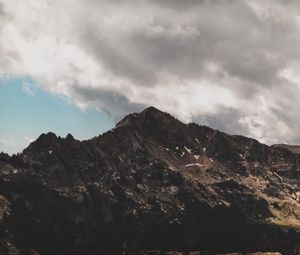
x=292, y=148
x=152, y=185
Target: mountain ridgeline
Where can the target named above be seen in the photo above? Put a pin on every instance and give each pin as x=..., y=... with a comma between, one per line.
x=151, y=185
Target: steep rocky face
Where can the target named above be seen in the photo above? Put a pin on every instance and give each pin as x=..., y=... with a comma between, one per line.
x=150, y=184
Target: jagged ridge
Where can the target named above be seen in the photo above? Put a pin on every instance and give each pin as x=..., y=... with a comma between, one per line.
x=152, y=183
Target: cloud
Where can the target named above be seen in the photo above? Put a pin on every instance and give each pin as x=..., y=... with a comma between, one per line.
x=29, y=140
x=4, y=142
x=230, y=64
x=8, y=145
x=113, y=103
x=29, y=88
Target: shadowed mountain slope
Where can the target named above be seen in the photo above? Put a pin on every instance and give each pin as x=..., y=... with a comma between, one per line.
x=150, y=184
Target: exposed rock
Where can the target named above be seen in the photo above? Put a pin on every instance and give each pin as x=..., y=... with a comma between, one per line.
x=150, y=184
x=292, y=148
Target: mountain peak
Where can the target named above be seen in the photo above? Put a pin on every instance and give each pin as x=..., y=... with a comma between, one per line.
x=46, y=138
x=153, y=110
x=69, y=137
x=42, y=142
x=151, y=116
x=153, y=167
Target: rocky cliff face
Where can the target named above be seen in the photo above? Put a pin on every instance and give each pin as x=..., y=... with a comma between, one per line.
x=149, y=186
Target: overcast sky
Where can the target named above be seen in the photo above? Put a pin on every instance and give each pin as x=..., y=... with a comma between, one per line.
x=230, y=64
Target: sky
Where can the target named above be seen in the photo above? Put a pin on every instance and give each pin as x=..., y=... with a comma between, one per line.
x=79, y=66
x=26, y=112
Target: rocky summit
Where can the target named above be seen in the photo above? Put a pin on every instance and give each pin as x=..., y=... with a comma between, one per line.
x=152, y=185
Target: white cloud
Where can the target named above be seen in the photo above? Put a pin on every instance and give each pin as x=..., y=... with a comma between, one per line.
x=29, y=88
x=29, y=140
x=200, y=60
x=3, y=142
x=7, y=141
x=9, y=145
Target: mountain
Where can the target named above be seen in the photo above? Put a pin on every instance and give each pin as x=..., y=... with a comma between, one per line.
x=292, y=148
x=151, y=185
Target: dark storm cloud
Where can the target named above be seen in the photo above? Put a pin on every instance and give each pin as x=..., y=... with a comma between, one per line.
x=113, y=103
x=178, y=4
x=115, y=59
x=226, y=120
x=228, y=33
x=231, y=64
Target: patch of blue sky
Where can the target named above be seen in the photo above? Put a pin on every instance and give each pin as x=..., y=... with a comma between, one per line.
x=27, y=111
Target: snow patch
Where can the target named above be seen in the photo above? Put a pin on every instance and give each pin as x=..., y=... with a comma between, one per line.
x=187, y=149
x=129, y=193
x=204, y=149
x=174, y=189
x=196, y=156
x=277, y=175
x=194, y=164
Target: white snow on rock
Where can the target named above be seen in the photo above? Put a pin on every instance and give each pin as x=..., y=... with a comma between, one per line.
x=204, y=149
x=173, y=189
x=194, y=164
x=140, y=186
x=196, y=156
x=277, y=175
x=128, y=193
x=187, y=149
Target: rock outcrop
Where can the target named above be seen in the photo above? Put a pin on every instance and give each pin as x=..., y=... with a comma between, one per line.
x=150, y=184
